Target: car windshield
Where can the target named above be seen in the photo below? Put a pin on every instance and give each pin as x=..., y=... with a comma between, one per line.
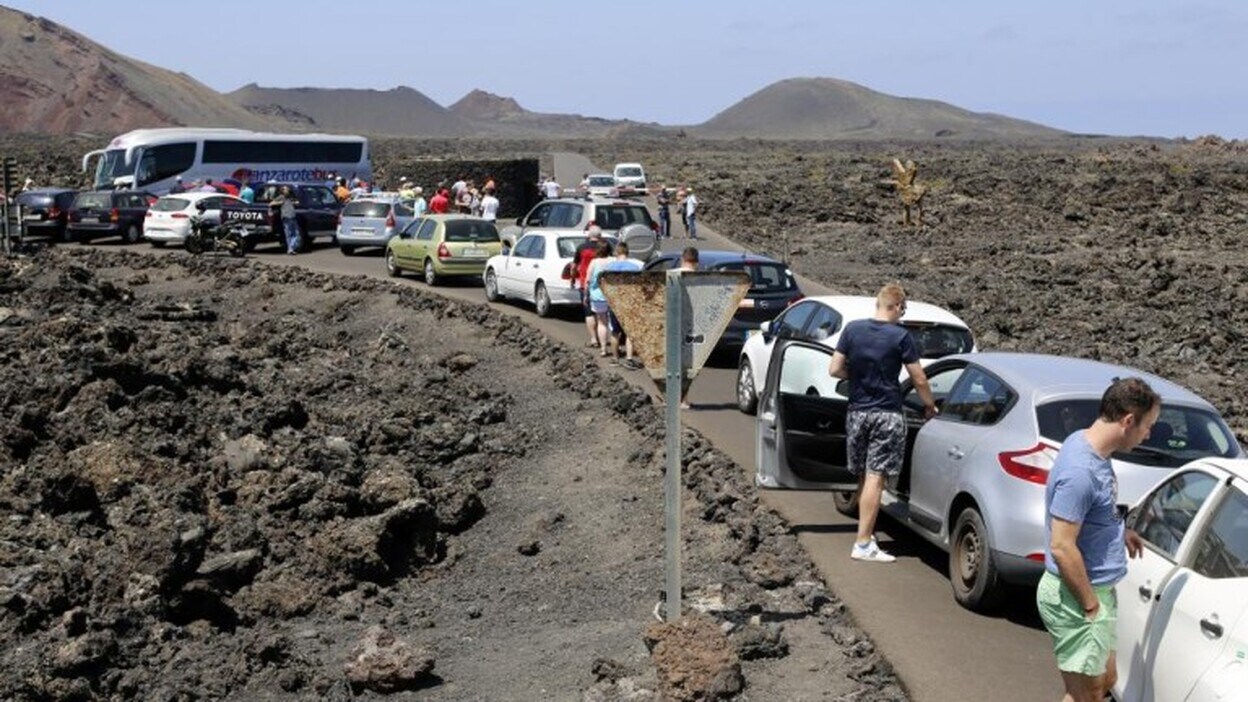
x=92, y=200
x=611, y=217
x=765, y=277
x=631, y=172
x=939, y=340
x=34, y=199
x=171, y=204
x=112, y=165
x=1181, y=433
x=366, y=209
x=470, y=230
x=601, y=181
x=567, y=245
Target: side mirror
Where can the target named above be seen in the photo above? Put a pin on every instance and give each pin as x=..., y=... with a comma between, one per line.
x=765, y=329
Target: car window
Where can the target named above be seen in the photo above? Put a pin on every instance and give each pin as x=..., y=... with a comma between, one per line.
x=363, y=208
x=404, y=209
x=538, y=248
x=171, y=204
x=427, y=227
x=1223, y=549
x=804, y=371
x=524, y=247
x=538, y=217
x=764, y=277
x=1165, y=515
x=978, y=398
x=564, y=214
x=34, y=199
x=662, y=264
x=789, y=325
x=620, y=216
x=97, y=201
x=471, y=230
x=568, y=245
x=941, y=383
x=825, y=322
x=325, y=197
x=135, y=200
x=939, y=340
x=165, y=161
x=600, y=181
x=1181, y=434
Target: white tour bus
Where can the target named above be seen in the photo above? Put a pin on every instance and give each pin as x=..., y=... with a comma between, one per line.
x=151, y=159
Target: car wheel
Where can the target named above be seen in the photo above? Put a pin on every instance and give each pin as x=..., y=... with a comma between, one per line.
x=541, y=301
x=392, y=265
x=747, y=397
x=83, y=239
x=347, y=250
x=846, y=502
x=491, y=286
x=431, y=275
x=132, y=234
x=972, y=571
x=157, y=244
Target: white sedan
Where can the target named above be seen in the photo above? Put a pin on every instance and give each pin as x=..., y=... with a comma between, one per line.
x=601, y=185
x=169, y=220
x=1183, y=606
x=936, y=331
x=537, y=269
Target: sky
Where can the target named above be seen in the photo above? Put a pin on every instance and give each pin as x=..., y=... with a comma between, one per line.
x=1139, y=67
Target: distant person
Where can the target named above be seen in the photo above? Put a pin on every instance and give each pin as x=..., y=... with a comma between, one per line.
x=463, y=201
x=691, y=213
x=358, y=189
x=597, y=299
x=458, y=187
x=246, y=194
x=406, y=191
x=341, y=191
x=419, y=206
x=581, y=259
x=285, y=203
x=665, y=213
x=177, y=186
x=871, y=354
x=681, y=195
x=207, y=187
x=489, y=205
x=552, y=189
x=28, y=185
x=1088, y=543
x=440, y=203
x=584, y=184
x=621, y=264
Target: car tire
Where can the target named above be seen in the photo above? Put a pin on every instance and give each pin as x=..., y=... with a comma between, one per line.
x=491, y=286
x=347, y=250
x=132, y=235
x=392, y=265
x=541, y=301
x=747, y=396
x=846, y=502
x=431, y=275
x=83, y=239
x=972, y=570
x=157, y=244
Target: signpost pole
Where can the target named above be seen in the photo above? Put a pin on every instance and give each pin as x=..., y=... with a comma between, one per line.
x=671, y=484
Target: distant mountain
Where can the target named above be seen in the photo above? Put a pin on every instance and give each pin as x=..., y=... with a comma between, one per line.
x=54, y=80
x=827, y=108
x=399, y=111
x=493, y=115
x=481, y=105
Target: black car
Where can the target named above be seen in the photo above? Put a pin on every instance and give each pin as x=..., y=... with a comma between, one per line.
x=773, y=288
x=103, y=213
x=45, y=212
x=316, y=210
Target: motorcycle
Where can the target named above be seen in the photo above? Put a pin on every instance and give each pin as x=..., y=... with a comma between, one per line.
x=207, y=235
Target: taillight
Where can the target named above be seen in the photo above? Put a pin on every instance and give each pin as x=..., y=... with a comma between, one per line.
x=1038, y=557
x=147, y=214
x=1031, y=464
x=654, y=226
x=114, y=215
x=54, y=213
x=389, y=220
x=180, y=215
x=443, y=252
x=567, y=272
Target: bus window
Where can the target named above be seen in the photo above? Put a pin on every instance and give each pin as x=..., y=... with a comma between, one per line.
x=160, y=162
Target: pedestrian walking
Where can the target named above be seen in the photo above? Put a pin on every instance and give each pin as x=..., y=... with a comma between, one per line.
x=871, y=354
x=597, y=299
x=581, y=258
x=681, y=195
x=621, y=263
x=489, y=205
x=691, y=213
x=1087, y=541
x=285, y=205
x=552, y=189
x=665, y=213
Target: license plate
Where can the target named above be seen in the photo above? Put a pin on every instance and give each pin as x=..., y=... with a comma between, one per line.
x=89, y=220
x=364, y=232
x=474, y=253
x=33, y=218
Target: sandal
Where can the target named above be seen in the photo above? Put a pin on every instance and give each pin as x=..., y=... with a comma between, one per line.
x=591, y=344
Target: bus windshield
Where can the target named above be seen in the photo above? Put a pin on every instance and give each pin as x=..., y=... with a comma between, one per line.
x=112, y=165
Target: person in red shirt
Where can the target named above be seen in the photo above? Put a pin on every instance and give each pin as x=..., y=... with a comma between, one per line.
x=440, y=203
x=585, y=254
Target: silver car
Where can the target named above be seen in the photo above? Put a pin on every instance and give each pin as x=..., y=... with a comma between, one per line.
x=372, y=221
x=973, y=479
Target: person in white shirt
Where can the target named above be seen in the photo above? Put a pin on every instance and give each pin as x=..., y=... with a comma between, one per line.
x=552, y=189
x=489, y=206
x=691, y=213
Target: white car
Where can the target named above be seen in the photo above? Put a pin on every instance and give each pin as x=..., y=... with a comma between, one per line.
x=537, y=269
x=936, y=331
x=601, y=185
x=1183, y=606
x=630, y=178
x=169, y=220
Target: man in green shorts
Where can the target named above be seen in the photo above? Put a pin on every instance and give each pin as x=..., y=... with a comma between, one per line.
x=1088, y=543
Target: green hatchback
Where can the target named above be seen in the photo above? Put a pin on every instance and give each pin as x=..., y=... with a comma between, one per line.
x=443, y=245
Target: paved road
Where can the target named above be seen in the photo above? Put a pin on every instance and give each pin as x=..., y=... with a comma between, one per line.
x=941, y=651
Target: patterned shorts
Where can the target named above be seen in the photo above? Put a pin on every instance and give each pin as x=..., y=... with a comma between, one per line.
x=875, y=441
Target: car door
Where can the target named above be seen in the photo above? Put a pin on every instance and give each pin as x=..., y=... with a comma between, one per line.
x=1201, y=601
x=321, y=209
x=789, y=325
x=404, y=241
x=800, y=424
x=418, y=246
x=514, y=264
x=133, y=210
x=941, y=380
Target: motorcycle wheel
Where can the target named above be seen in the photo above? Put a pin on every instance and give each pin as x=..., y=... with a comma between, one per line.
x=194, y=244
x=235, y=243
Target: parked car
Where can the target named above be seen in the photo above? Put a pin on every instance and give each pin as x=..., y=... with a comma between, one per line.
x=623, y=220
x=103, y=213
x=630, y=178
x=443, y=245
x=973, y=478
x=936, y=331
x=1183, y=605
x=601, y=185
x=372, y=221
x=316, y=211
x=45, y=212
x=537, y=269
x=168, y=221
x=773, y=289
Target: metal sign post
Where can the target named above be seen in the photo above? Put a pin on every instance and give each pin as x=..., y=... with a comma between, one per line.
x=674, y=319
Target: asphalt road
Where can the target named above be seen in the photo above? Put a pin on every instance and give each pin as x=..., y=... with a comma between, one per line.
x=941, y=651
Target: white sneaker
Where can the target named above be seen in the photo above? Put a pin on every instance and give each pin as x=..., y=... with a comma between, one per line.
x=871, y=551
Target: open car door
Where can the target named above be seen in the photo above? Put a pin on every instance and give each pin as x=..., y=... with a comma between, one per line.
x=800, y=437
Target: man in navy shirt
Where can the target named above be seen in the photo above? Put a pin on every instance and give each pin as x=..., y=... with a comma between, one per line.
x=1088, y=544
x=871, y=354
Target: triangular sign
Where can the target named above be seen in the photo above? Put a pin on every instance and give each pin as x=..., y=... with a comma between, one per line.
x=639, y=301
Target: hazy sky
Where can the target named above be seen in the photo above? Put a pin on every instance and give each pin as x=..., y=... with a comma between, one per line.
x=1099, y=66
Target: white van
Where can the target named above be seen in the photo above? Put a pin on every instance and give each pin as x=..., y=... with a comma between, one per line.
x=630, y=179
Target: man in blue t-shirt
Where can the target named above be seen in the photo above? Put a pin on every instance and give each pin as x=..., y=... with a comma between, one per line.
x=1088, y=544
x=871, y=354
